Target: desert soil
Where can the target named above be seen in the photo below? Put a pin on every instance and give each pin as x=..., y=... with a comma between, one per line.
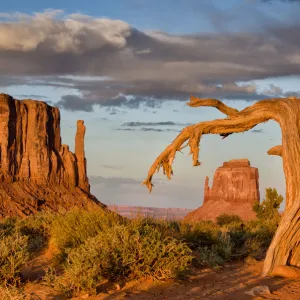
x=229, y=282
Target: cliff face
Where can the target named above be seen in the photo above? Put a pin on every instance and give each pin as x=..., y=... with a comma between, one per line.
x=37, y=171
x=234, y=191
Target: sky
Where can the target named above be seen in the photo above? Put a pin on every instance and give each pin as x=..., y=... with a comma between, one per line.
x=127, y=68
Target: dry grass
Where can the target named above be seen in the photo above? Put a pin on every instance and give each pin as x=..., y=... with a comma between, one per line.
x=95, y=247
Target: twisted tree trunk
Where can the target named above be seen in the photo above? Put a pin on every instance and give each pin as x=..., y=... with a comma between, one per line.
x=285, y=246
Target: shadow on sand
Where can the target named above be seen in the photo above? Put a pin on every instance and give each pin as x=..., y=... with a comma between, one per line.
x=229, y=283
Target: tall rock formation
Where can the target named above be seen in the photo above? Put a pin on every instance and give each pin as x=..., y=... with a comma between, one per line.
x=234, y=191
x=83, y=181
x=37, y=172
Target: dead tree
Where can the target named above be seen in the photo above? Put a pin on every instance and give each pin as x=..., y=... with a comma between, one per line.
x=285, y=246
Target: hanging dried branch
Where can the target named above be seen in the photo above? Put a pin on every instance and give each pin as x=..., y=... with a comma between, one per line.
x=236, y=122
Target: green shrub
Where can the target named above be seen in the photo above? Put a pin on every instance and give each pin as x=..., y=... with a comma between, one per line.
x=123, y=251
x=97, y=246
x=14, y=255
x=253, y=247
x=37, y=229
x=7, y=226
x=262, y=230
x=76, y=226
x=268, y=209
x=224, y=246
x=217, y=253
x=209, y=257
x=225, y=219
x=200, y=234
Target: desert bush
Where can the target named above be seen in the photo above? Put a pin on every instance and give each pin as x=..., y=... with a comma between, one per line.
x=14, y=254
x=7, y=226
x=253, y=247
x=76, y=226
x=127, y=250
x=206, y=256
x=37, y=229
x=262, y=230
x=13, y=293
x=224, y=245
x=225, y=219
x=199, y=234
x=269, y=208
x=220, y=251
x=97, y=246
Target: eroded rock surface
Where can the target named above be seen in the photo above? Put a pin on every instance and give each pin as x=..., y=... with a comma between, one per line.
x=234, y=190
x=36, y=171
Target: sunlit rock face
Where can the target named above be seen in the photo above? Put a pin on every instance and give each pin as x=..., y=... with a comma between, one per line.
x=234, y=190
x=37, y=171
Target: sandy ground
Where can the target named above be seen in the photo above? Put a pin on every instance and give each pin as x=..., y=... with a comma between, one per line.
x=229, y=282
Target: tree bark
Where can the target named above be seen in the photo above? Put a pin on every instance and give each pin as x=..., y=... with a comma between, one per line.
x=285, y=246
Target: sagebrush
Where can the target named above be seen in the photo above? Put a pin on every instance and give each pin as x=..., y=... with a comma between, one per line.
x=93, y=247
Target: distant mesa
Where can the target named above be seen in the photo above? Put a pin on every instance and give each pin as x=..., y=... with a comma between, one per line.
x=131, y=212
x=37, y=171
x=234, y=190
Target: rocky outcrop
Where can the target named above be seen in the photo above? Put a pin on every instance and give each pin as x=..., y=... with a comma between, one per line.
x=234, y=191
x=37, y=172
x=83, y=181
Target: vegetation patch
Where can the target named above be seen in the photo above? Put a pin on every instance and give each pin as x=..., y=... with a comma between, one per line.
x=97, y=247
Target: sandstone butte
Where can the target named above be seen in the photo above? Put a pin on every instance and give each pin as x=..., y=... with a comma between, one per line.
x=37, y=171
x=234, y=190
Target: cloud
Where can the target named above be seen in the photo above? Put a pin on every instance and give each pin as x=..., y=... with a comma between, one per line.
x=149, y=129
x=117, y=181
x=125, y=129
x=145, y=51
x=158, y=129
x=114, y=65
x=275, y=91
x=73, y=103
x=32, y=96
x=167, y=123
x=112, y=181
x=257, y=131
x=153, y=96
x=89, y=99
x=74, y=34
x=112, y=167
x=12, y=80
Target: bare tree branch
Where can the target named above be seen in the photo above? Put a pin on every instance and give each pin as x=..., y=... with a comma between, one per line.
x=238, y=122
x=227, y=110
x=276, y=150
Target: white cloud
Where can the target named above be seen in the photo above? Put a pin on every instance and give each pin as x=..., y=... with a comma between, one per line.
x=72, y=33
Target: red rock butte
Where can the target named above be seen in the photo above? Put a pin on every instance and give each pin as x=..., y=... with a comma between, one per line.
x=37, y=172
x=234, y=191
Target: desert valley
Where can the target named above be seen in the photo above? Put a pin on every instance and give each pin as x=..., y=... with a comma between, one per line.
x=59, y=241
x=150, y=150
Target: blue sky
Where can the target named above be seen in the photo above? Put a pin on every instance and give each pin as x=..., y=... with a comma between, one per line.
x=142, y=68
x=173, y=16
x=142, y=14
